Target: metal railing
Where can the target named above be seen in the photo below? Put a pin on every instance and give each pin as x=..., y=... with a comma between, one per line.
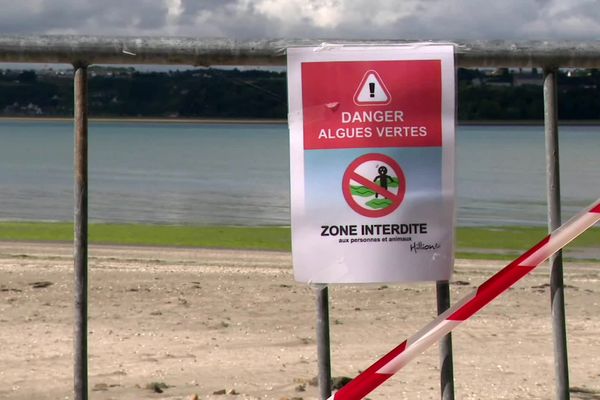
x=88, y=50
x=82, y=51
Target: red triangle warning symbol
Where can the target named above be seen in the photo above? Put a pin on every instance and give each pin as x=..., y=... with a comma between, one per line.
x=371, y=91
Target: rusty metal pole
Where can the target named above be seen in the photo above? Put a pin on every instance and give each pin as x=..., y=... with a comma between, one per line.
x=446, y=363
x=81, y=235
x=557, y=290
x=323, y=341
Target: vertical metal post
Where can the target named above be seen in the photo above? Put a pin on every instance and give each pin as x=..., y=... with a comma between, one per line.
x=554, y=220
x=81, y=235
x=323, y=343
x=446, y=363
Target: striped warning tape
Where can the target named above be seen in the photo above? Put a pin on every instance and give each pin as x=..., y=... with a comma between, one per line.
x=396, y=359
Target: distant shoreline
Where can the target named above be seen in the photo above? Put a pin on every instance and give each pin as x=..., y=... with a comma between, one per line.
x=158, y=120
x=274, y=121
x=590, y=122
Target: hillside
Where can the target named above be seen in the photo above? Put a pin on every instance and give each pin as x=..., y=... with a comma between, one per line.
x=231, y=93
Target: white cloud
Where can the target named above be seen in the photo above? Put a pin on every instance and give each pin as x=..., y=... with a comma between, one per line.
x=322, y=19
x=568, y=20
x=320, y=13
x=174, y=9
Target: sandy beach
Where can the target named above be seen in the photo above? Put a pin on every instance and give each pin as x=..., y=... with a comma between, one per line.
x=204, y=322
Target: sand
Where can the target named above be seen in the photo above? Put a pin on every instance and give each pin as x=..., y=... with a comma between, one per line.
x=202, y=322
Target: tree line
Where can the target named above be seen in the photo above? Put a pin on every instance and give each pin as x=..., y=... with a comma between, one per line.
x=233, y=93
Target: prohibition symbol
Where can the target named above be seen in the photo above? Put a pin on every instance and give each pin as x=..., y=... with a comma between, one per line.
x=374, y=185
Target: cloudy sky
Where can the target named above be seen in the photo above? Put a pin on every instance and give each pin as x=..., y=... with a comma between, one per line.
x=332, y=19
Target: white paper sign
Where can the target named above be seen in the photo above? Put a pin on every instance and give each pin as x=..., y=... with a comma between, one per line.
x=372, y=163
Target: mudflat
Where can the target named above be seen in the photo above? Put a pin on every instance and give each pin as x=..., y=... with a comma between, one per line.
x=227, y=324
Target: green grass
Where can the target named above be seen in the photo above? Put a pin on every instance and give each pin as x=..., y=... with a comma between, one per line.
x=516, y=238
x=267, y=238
x=508, y=242
x=483, y=243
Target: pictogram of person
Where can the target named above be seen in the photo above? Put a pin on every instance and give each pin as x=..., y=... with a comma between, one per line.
x=383, y=178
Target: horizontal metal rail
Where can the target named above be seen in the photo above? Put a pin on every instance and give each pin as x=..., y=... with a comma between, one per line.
x=205, y=52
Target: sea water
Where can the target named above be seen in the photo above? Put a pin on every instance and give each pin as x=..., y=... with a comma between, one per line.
x=238, y=174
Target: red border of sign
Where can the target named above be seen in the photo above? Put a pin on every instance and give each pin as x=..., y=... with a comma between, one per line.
x=350, y=174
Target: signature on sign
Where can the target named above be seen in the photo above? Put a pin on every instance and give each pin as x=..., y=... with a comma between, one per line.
x=420, y=246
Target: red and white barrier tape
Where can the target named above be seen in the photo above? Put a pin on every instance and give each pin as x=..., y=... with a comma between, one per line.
x=396, y=359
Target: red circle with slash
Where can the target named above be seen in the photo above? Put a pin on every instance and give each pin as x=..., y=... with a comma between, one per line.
x=352, y=175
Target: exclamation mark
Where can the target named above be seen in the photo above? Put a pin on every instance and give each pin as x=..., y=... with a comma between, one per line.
x=372, y=89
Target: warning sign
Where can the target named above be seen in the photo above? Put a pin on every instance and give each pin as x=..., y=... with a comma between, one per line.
x=372, y=163
x=371, y=91
x=339, y=112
